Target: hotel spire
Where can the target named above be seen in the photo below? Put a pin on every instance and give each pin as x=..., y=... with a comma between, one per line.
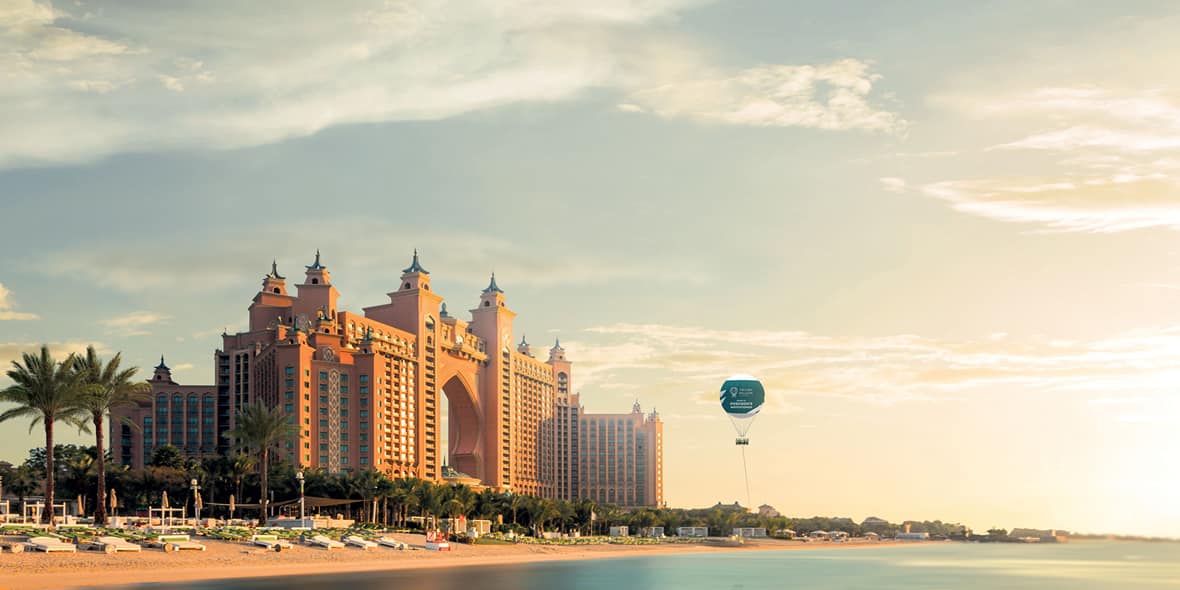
x=492, y=286
x=416, y=266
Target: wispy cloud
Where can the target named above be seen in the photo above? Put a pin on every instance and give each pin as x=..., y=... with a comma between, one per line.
x=6, y=305
x=877, y=370
x=218, y=263
x=126, y=79
x=1117, y=167
x=134, y=323
x=827, y=96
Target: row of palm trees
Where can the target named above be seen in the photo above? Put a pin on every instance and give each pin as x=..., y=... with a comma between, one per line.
x=80, y=391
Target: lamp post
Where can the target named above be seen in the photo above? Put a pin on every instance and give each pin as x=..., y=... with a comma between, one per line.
x=299, y=476
x=196, y=504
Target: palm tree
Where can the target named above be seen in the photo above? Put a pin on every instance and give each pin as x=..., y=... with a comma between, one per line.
x=105, y=388
x=261, y=428
x=46, y=391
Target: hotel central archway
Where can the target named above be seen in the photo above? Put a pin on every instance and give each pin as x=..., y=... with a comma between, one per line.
x=465, y=440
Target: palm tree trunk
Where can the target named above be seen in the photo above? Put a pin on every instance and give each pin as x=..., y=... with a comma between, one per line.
x=47, y=514
x=100, y=508
x=265, y=497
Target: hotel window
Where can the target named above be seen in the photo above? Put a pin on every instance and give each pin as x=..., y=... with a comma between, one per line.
x=344, y=377
x=290, y=395
x=289, y=383
x=344, y=401
x=288, y=408
x=364, y=378
x=324, y=447
x=343, y=448
x=324, y=399
x=323, y=459
x=343, y=436
x=323, y=375
x=323, y=435
x=289, y=371
x=344, y=460
x=323, y=387
x=323, y=423
x=364, y=390
x=364, y=460
x=364, y=413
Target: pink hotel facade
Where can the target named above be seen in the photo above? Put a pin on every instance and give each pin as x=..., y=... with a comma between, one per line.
x=366, y=392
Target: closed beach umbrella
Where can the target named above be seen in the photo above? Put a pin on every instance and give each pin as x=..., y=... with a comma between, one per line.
x=232, y=505
x=164, y=500
x=114, y=500
x=81, y=505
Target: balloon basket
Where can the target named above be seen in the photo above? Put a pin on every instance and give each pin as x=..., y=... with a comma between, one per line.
x=742, y=441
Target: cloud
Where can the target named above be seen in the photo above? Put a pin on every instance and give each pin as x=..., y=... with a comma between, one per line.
x=219, y=264
x=6, y=312
x=827, y=96
x=134, y=323
x=883, y=370
x=1095, y=204
x=161, y=77
x=1117, y=156
x=893, y=184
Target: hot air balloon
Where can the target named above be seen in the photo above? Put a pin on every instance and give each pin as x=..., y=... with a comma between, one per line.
x=742, y=397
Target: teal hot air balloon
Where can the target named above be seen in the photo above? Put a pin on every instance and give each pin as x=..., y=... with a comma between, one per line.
x=742, y=397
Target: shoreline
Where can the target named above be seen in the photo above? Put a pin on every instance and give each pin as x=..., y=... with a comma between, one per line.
x=229, y=561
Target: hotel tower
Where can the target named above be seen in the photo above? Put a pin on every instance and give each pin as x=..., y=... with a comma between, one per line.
x=365, y=391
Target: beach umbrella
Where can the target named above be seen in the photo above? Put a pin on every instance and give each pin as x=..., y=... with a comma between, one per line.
x=164, y=500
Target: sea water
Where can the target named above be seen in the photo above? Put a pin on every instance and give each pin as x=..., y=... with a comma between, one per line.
x=959, y=566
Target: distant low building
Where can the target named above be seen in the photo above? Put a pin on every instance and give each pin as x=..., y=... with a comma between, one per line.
x=768, y=510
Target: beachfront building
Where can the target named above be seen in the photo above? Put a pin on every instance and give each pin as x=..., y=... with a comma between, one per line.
x=367, y=391
x=620, y=458
x=182, y=416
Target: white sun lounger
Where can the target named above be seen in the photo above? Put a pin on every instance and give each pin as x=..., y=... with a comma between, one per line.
x=325, y=542
x=50, y=544
x=359, y=542
x=179, y=543
x=270, y=542
x=391, y=543
x=114, y=545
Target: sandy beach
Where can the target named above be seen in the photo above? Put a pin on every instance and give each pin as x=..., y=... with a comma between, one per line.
x=227, y=560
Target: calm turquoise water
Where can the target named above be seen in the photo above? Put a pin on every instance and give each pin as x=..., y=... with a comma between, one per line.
x=1081, y=565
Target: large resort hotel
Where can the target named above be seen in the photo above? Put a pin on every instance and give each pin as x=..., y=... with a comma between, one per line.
x=366, y=392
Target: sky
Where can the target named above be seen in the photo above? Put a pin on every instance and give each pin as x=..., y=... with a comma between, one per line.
x=944, y=235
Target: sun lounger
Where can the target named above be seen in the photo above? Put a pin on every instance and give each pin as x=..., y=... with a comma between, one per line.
x=391, y=543
x=50, y=544
x=325, y=542
x=113, y=545
x=359, y=542
x=179, y=543
x=270, y=542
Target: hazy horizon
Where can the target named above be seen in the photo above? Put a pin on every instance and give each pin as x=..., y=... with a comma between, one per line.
x=942, y=235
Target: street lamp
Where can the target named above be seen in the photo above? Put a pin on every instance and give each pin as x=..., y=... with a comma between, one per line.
x=299, y=476
x=196, y=504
